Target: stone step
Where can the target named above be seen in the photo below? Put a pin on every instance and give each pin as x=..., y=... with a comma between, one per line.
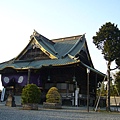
x=17, y=100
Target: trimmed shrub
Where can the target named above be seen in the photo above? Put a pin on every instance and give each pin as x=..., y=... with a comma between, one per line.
x=31, y=94
x=53, y=96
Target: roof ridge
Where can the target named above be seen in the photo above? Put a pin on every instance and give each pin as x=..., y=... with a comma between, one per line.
x=53, y=50
x=66, y=38
x=79, y=40
x=36, y=34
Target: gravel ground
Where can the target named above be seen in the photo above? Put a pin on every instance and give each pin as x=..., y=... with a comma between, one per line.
x=66, y=113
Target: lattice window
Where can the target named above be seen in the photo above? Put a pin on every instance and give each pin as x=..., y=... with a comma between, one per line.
x=35, y=53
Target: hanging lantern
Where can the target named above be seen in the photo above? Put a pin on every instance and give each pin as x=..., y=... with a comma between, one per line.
x=48, y=78
x=74, y=78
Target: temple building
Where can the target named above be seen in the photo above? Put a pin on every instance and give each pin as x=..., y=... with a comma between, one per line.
x=64, y=63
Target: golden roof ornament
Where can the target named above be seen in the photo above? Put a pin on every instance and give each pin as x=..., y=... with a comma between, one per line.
x=35, y=33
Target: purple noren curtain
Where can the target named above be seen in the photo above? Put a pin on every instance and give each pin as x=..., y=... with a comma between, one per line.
x=20, y=78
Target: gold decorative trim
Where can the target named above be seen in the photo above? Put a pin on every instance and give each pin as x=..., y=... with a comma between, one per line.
x=69, y=63
x=45, y=51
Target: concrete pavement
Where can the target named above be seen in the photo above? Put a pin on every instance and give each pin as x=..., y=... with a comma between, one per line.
x=66, y=113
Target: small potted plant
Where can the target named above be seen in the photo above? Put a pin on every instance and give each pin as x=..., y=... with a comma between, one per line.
x=53, y=99
x=31, y=95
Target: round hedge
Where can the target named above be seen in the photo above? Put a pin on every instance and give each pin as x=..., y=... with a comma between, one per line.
x=53, y=96
x=31, y=94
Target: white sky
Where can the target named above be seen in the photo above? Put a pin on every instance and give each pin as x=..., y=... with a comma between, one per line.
x=54, y=19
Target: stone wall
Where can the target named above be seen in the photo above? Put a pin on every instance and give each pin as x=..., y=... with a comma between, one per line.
x=112, y=101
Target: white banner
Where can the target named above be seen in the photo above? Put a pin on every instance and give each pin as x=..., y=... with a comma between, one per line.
x=3, y=95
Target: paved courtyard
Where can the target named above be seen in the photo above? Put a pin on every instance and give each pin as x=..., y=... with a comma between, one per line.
x=66, y=113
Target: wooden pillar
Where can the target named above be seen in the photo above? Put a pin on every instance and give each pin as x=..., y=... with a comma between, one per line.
x=96, y=84
x=88, y=95
x=28, y=81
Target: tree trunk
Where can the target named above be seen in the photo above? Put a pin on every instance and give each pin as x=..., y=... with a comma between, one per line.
x=108, y=87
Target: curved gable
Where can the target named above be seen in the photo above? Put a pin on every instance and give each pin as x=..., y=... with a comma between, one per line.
x=39, y=47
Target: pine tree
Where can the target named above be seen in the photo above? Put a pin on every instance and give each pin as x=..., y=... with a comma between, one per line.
x=107, y=40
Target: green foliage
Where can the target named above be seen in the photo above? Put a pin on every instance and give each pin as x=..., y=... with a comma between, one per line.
x=113, y=91
x=108, y=41
x=103, y=90
x=117, y=81
x=31, y=94
x=53, y=96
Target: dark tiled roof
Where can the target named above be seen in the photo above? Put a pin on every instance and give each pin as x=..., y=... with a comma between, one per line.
x=64, y=51
x=46, y=43
x=64, y=46
x=36, y=64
